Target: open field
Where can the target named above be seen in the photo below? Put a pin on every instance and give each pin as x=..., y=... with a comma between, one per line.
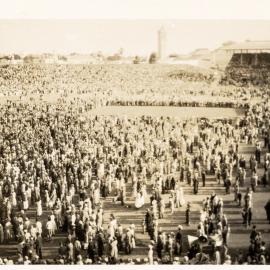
x=167, y=111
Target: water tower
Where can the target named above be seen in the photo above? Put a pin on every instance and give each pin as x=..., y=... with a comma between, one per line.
x=162, y=43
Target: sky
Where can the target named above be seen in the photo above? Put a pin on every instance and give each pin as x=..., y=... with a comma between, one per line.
x=135, y=9
x=85, y=26
x=134, y=36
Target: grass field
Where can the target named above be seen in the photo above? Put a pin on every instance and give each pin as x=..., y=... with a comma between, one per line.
x=167, y=111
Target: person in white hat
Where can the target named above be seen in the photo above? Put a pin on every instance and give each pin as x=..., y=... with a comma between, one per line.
x=61, y=261
x=10, y=262
x=145, y=260
x=227, y=260
x=87, y=261
x=186, y=259
x=79, y=260
x=26, y=260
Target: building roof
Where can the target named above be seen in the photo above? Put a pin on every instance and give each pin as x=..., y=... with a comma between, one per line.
x=249, y=46
x=200, y=51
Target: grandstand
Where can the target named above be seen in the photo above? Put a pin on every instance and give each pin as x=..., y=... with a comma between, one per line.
x=249, y=63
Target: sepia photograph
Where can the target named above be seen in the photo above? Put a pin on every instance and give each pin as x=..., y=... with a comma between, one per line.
x=130, y=135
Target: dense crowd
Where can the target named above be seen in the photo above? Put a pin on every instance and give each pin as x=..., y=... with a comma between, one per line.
x=99, y=85
x=191, y=74
x=247, y=75
x=64, y=166
x=249, y=71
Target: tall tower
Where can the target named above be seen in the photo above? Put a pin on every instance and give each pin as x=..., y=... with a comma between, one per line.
x=161, y=43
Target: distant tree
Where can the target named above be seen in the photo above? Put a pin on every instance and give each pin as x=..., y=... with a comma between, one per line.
x=62, y=57
x=6, y=57
x=28, y=59
x=153, y=58
x=100, y=54
x=17, y=57
x=115, y=57
x=136, y=60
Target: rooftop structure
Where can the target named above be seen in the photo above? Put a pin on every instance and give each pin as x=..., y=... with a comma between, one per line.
x=249, y=47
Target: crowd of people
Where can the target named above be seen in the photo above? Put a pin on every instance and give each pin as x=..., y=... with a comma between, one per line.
x=100, y=85
x=190, y=73
x=57, y=168
x=250, y=70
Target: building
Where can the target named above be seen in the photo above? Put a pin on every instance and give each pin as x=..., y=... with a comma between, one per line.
x=85, y=59
x=249, y=62
x=162, y=44
x=248, y=53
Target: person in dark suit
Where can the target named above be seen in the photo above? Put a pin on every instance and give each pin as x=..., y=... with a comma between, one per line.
x=100, y=244
x=160, y=245
x=228, y=184
x=179, y=241
x=62, y=250
x=203, y=173
x=188, y=214
x=242, y=163
x=91, y=250
x=39, y=244
x=148, y=219
x=267, y=209
x=195, y=185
